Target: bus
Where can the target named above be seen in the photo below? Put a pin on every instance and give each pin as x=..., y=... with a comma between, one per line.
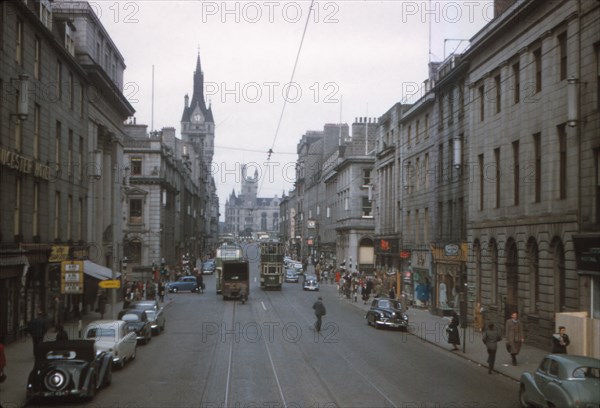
x=271, y=265
x=226, y=252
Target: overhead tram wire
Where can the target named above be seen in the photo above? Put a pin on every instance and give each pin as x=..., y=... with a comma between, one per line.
x=270, y=151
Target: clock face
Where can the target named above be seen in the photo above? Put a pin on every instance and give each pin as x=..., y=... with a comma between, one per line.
x=197, y=118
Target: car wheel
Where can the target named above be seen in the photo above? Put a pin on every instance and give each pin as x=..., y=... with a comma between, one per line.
x=522, y=401
x=175, y=290
x=92, y=388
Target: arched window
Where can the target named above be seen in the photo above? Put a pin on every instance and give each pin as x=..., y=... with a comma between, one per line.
x=559, y=273
x=494, y=271
x=533, y=265
x=512, y=275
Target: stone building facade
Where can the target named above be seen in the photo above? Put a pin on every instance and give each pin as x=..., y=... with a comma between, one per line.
x=61, y=116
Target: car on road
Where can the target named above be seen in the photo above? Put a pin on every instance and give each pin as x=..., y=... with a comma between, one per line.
x=184, y=283
x=562, y=381
x=69, y=368
x=208, y=267
x=112, y=336
x=137, y=321
x=154, y=312
x=310, y=283
x=291, y=276
x=386, y=312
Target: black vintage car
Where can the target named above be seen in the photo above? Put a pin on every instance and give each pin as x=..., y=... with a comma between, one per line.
x=69, y=368
x=137, y=320
x=385, y=312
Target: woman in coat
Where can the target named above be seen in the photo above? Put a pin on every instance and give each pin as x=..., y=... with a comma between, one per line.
x=514, y=336
x=453, y=335
x=490, y=338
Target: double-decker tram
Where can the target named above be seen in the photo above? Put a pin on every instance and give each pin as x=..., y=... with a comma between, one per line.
x=271, y=265
x=226, y=252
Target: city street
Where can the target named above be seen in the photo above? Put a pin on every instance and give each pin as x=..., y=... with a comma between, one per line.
x=264, y=353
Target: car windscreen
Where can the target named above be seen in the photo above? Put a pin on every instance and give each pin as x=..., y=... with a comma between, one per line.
x=96, y=332
x=151, y=314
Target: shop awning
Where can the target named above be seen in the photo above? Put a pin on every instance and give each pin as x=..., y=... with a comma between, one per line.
x=98, y=271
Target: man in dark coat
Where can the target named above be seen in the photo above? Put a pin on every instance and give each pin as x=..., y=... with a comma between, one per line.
x=560, y=341
x=490, y=338
x=514, y=336
x=37, y=328
x=319, y=312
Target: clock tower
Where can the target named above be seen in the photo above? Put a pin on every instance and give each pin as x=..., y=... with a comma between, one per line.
x=197, y=123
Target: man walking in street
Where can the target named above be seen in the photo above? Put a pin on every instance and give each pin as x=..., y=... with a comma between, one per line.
x=490, y=338
x=37, y=329
x=514, y=336
x=319, y=312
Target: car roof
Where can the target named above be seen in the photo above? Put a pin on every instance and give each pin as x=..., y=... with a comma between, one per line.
x=574, y=361
x=84, y=349
x=105, y=323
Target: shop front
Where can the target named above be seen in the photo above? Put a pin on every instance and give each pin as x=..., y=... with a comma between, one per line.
x=449, y=267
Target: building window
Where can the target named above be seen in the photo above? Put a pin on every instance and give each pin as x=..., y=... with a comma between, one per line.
x=18, y=125
x=440, y=211
x=494, y=272
x=328, y=212
x=57, y=146
x=417, y=225
x=441, y=110
x=426, y=130
x=481, y=103
x=481, y=181
x=516, y=82
x=71, y=91
x=426, y=226
x=426, y=171
x=597, y=48
x=440, y=163
x=537, y=58
x=534, y=275
x=559, y=273
x=366, y=208
x=516, y=172
x=19, y=38
x=562, y=161
x=451, y=106
x=70, y=154
x=417, y=173
x=135, y=211
x=81, y=100
x=17, y=208
x=37, y=59
x=498, y=93
x=562, y=49
x=58, y=84
x=80, y=159
x=537, y=171
x=497, y=162
x=408, y=225
x=35, y=216
x=80, y=220
x=57, y=224
x=417, y=132
x=366, y=177
x=69, y=217
x=461, y=99
x=136, y=166
x=346, y=204
x=36, y=131
x=409, y=136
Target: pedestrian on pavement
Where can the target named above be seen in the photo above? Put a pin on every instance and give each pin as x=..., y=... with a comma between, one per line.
x=392, y=293
x=490, y=338
x=161, y=291
x=37, y=328
x=560, y=341
x=61, y=334
x=514, y=336
x=453, y=335
x=102, y=300
x=320, y=311
x=200, y=281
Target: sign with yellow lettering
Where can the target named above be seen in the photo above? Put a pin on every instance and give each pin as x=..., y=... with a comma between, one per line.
x=71, y=277
x=110, y=284
x=59, y=253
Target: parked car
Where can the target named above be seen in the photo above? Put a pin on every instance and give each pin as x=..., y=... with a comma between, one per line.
x=69, y=368
x=310, y=283
x=562, y=381
x=386, y=312
x=208, y=267
x=154, y=312
x=291, y=276
x=112, y=336
x=184, y=283
x=137, y=321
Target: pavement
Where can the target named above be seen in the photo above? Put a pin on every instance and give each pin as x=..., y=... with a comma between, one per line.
x=19, y=356
x=425, y=326
x=430, y=328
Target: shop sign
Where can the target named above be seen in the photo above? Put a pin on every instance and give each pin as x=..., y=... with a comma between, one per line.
x=59, y=253
x=311, y=224
x=587, y=254
x=71, y=277
x=404, y=254
x=23, y=164
x=110, y=284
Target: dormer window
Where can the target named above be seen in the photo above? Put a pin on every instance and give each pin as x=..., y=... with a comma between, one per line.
x=69, y=38
x=136, y=166
x=45, y=13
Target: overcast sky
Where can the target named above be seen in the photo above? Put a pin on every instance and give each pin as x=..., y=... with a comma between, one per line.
x=358, y=58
